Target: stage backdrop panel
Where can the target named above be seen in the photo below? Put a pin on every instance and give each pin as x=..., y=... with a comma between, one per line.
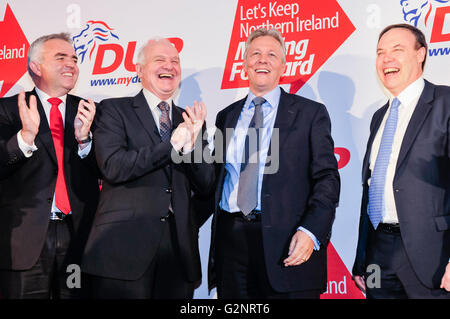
x=330, y=58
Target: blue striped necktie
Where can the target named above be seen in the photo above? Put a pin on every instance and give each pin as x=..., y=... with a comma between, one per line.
x=378, y=178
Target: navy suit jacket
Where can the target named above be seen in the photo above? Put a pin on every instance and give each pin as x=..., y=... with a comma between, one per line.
x=303, y=192
x=421, y=187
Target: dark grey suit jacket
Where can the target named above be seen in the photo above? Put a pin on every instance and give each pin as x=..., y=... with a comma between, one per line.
x=137, y=190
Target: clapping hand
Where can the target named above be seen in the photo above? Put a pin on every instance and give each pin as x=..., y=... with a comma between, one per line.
x=29, y=116
x=86, y=114
x=187, y=132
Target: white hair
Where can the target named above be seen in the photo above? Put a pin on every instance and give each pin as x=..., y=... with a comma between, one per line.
x=141, y=57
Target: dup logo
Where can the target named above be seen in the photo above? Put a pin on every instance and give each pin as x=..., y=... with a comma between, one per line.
x=95, y=40
x=415, y=11
x=94, y=32
x=100, y=43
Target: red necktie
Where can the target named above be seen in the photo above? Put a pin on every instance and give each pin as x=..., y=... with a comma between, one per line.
x=57, y=129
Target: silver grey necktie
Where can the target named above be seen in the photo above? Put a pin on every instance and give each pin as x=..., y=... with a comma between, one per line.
x=247, y=198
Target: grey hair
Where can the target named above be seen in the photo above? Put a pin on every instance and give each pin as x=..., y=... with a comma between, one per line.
x=35, y=49
x=141, y=58
x=261, y=32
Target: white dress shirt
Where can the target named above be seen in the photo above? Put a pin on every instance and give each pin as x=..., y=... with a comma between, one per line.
x=408, y=99
x=43, y=97
x=29, y=149
x=153, y=101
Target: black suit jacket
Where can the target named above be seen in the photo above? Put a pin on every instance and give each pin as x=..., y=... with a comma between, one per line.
x=421, y=187
x=303, y=192
x=27, y=186
x=137, y=191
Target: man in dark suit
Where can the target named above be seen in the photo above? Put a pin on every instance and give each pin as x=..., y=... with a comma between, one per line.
x=48, y=177
x=144, y=243
x=404, y=234
x=272, y=223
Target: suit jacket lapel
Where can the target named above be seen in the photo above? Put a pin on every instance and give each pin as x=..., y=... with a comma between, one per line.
x=373, y=133
x=145, y=115
x=69, y=130
x=286, y=115
x=44, y=137
x=177, y=118
x=421, y=111
x=230, y=122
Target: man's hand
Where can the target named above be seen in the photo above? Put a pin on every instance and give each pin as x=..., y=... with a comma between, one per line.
x=445, y=282
x=29, y=116
x=86, y=114
x=187, y=132
x=300, y=249
x=359, y=281
x=181, y=136
x=194, y=117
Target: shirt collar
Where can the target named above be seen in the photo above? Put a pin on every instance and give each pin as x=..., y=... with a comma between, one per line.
x=272, y=97
x=44, y=97
x=410, y=93
x=153, y=100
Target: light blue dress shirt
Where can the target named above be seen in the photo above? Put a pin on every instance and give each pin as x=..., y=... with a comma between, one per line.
x=236, y=147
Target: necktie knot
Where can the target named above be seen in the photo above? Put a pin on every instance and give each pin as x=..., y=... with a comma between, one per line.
x=258, y=101
x=395, y=103
x=164, y=106
x=54, y=101
x=257, y=120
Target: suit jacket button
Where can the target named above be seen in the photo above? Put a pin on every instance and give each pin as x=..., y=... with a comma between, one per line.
x=168, y=190
x=12, y=159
